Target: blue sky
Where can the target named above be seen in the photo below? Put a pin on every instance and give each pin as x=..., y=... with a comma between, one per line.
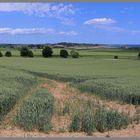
x=111, y=23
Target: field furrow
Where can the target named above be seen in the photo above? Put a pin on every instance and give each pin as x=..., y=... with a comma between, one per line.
x=68, y=100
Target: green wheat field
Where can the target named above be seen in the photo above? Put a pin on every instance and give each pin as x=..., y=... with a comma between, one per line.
x=28, y=106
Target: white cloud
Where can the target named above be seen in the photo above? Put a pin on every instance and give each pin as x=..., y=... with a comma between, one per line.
x=99, y=21
x=34, y=31
x=27, y=8
x=18, y=31
x=68, y=33
x=106, y=24
x=60, y=11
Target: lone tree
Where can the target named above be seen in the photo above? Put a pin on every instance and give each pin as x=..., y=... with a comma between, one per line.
x=64, y=53
x=25, y=52
x=115, y=57
x=1, y=54
x=8, y=54
x=74, y=54
x=30, y=53
x=139, y=55
x=47, y=52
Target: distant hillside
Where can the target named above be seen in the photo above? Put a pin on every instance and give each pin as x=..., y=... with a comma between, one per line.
x=70, y=45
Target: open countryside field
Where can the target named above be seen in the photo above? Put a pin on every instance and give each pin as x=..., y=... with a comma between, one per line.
x=93, y=52
x=94, y=94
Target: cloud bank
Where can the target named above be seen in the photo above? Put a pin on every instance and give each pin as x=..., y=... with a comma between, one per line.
x=61, y=11
x=35, y=31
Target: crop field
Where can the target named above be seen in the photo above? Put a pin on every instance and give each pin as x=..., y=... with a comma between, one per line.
x=13, y=85
x=71, y=95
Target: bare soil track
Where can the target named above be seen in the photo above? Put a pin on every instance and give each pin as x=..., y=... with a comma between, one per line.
x=129, y=132
x=62, y=93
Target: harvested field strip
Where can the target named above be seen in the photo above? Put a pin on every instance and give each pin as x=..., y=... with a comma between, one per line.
x=116, y=88
x=131, y=131
x=66, y=93
x=68, y=99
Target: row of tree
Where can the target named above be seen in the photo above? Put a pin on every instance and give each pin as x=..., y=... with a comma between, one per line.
x=41, y=46
x=46, y=52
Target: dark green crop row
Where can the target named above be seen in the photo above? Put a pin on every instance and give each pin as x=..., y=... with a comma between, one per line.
x=13, y=85
x=36, y=111
x=112, y=90
x=101, y=120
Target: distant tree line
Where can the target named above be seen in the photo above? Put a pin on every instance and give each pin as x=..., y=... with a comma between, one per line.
x=48, y=52
x=68, y=44
x=41, y=46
